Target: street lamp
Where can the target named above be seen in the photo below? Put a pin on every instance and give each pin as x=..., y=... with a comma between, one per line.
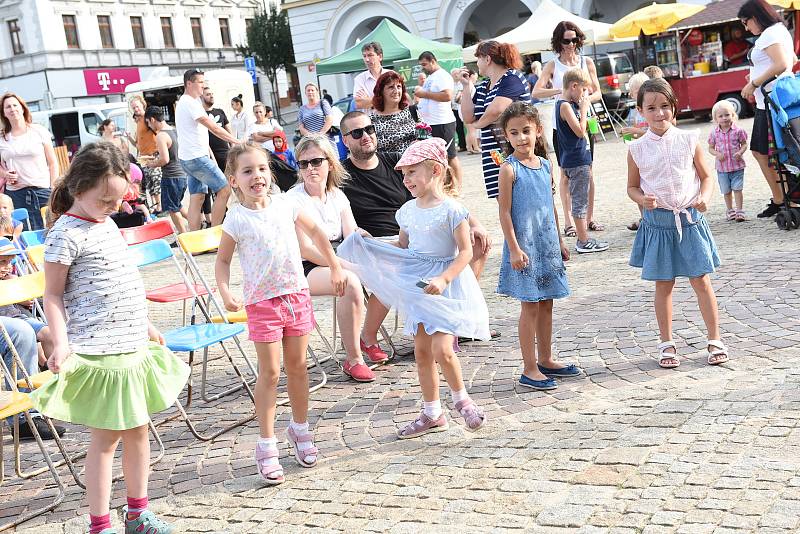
x=220, y=57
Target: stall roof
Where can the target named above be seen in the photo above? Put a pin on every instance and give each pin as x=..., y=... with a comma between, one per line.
x=714, y=13
x=397, y=44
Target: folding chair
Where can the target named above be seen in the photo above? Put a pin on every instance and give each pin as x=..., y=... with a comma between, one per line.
x=35, y=257
x=195, y=337
x=12, y=404
x=22, y=289
x=148, y=232
x=30, y=238
x=202, y=241
x=21, y=215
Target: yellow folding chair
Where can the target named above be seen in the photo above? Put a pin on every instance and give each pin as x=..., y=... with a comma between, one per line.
x=35, y=255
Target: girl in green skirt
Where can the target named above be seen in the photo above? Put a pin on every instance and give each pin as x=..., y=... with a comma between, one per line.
x=112, y=370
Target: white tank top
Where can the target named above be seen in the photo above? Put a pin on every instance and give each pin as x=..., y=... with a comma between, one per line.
x=558, y=79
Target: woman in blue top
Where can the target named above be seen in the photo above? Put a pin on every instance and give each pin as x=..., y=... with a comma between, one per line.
x=504, y=84
x=315, y=116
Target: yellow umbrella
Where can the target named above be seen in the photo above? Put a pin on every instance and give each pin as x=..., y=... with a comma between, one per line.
x=785, y=4
x=654, y=18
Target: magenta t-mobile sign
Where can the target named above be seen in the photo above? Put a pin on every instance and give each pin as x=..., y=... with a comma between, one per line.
x=109, y=81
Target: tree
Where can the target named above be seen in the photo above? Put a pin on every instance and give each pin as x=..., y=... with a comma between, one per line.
x=269, y=41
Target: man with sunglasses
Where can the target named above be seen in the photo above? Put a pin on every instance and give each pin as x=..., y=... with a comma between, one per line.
x=376, y=191
x=194, y=152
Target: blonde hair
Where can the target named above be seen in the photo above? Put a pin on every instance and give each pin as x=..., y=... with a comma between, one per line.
x=232, y=162
x=723, y=104
x=336, y=172
x=447, y=183
x=636, y=81
x=5, y=198
x=576, y=75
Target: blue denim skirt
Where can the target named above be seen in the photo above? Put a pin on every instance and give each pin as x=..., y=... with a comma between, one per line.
x=663, y=255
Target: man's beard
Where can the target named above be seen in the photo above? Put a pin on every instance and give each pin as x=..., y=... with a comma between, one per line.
x=362, y=154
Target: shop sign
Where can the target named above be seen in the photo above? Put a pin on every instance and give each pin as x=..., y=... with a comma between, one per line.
x=109, y=81
x=695, y=37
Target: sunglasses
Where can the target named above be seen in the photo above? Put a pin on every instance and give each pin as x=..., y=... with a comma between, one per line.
x=315, y=162
x=574, y=41
x=356, y=133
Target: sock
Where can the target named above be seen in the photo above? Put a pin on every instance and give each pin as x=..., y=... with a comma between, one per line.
x=459, y=396
x=98, y=523
x=432, y=409
x=302, y=428
x=267, y=444
x=136, y=505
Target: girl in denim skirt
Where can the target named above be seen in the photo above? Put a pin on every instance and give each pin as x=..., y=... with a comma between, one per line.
x=668, y=178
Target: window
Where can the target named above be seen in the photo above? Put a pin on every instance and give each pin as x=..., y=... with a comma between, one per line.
x=138, y=32
x=16, y=41
x=104, y=23
x=197, y=32
x=91, y=122
x=71, y=31
x=166, y=31
x=248, y=23
x=225, y=32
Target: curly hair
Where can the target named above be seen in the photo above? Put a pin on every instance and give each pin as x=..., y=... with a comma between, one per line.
x=387, y=78
x=558, y=33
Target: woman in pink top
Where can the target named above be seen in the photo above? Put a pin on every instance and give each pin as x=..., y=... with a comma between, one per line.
x=668, y=178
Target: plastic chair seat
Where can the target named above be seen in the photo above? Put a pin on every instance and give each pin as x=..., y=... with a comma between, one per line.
x=199, y=336
x=37, y=380
x=232, y=317
x=20, y=402
x=175, y=292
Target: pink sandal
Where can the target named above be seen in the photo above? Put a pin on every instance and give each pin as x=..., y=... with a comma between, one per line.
x=472, y=414
x=302, y=456
x=423, y=425
x=271, y=473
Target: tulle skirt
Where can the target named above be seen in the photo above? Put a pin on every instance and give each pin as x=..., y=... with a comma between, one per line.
x=392, y=274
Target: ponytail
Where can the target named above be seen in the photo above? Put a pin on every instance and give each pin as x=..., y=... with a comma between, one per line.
x=60, y=202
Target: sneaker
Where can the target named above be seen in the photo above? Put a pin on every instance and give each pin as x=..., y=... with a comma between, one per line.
x=590, y=245
x=730, y=214
x=374, y=353
x=771, y=210
x=358, y=372
x=42, y=428
x=423, y=425
x=145, y=522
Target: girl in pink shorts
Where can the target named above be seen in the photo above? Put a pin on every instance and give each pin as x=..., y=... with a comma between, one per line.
x=276, y=297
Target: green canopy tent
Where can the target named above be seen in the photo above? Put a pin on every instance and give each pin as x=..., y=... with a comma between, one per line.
x=399, y=46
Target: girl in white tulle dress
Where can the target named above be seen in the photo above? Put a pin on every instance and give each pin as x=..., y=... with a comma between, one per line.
x=425, y=276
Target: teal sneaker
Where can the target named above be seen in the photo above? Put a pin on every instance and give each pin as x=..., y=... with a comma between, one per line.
x=146, y=523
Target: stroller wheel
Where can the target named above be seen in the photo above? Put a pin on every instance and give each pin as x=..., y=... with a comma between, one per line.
x=784, y=220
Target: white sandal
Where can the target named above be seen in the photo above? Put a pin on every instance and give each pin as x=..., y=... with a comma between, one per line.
x=718, y=356
x=664, y=356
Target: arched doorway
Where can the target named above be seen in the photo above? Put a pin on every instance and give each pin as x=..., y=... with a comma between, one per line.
x=470, y=21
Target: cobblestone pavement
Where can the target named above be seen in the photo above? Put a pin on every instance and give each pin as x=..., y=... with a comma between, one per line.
x=629, y=447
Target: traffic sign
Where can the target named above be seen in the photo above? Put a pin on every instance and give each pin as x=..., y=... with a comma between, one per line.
x=253, y=76
x=250, y=63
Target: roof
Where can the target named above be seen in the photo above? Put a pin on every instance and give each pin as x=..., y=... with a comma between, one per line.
x=397, y=45
x=714, y=13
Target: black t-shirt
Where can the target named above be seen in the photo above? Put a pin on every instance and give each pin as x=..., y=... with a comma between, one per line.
x=376, y=195
x=219, y=117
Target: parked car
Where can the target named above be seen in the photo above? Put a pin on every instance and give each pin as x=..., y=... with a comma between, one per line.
x=613, y=72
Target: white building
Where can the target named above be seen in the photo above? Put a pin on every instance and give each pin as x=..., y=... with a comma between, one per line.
x=322, y=28
x=59, y=53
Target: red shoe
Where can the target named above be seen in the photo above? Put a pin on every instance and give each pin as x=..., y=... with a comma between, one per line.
x=358, y=372
x=374, y=353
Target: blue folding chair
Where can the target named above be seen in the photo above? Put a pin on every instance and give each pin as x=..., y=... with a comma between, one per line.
x=21, y=215
x=196, y=337
x=30, y=238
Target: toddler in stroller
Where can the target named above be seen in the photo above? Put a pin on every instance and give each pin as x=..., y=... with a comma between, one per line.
x=783, y=103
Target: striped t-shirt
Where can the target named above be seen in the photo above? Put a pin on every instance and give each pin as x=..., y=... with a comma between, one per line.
x=104, y=293
x=512, y=85
x=313, y=119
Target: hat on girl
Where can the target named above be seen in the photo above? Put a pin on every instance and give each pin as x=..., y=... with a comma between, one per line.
x=7, y=248
x=433, y=148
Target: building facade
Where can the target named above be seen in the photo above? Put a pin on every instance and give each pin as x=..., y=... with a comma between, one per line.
x=322, y=28
x=60, y=53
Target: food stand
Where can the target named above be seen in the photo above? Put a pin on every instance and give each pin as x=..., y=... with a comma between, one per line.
x=691, y=55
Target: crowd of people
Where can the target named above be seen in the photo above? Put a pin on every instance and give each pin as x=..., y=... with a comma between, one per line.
x=386, y=218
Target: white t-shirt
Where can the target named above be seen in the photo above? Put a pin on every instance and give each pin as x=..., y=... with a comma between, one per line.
x=240, y=124
x=268, y=249
x=777, y=33
x=192, y=136
x=104, y=293
x=270, y=126
x=434, y=112
x=366, y=82
x=327, y=215
x=26, y=154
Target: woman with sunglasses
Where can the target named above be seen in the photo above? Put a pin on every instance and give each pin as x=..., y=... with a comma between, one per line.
x=319, y=196
x=772, y=56
x=567, y=42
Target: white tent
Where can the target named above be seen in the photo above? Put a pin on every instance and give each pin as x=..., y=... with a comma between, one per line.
x=535, y=33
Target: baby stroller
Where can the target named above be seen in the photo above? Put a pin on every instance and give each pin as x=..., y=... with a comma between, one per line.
x=783, y=103
x=285, y=176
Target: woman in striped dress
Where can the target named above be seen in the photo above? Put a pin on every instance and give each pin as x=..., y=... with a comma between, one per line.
x=504, y=84
x=315, y=116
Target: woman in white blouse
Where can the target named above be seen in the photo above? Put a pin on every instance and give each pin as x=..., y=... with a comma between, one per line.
x=241, y=119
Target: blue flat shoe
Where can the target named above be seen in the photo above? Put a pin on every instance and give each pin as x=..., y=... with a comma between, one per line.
x=539, y=385
x=570, y=370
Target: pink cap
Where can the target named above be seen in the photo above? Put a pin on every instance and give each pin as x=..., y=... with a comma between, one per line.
x=433, y=148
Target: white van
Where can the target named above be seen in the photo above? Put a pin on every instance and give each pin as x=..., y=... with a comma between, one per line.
x=165, y=92
x=77, y=126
